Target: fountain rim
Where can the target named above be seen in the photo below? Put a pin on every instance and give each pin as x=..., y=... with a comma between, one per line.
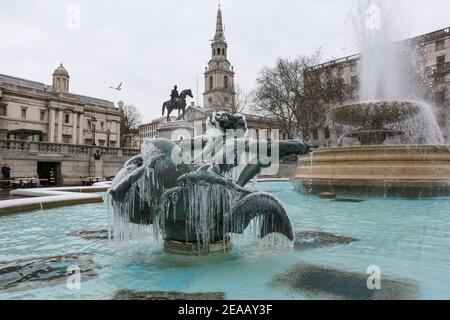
x=385, y=147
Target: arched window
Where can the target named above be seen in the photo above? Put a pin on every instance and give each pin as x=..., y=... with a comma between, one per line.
x=211, y=83
x=223, y=51
x=225, y=82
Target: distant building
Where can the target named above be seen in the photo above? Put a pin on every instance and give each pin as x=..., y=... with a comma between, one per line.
x=132, y=139
x=150, y=130
x=33, y=111
x=436, y=49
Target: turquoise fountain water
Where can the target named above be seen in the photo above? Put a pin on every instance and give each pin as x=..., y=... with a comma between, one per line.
x=407, y=239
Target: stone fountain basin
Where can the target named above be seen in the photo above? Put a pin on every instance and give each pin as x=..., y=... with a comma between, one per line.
x=415, y=171
x=373, y=114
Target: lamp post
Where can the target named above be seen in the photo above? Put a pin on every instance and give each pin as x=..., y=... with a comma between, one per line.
x=94, y=122
x=108, y=133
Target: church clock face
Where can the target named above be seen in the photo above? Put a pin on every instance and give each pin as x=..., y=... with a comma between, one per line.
x=226, y=64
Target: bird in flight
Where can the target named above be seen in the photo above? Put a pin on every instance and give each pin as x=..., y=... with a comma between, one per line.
x=118, y=88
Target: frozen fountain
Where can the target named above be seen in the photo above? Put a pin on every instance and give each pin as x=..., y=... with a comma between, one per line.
x=390, y=111
x=194, y=204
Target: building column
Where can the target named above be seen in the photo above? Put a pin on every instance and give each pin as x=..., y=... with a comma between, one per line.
x=74, y=127
x=118, y=135
x=51, y=125
x=60, y=125
x=81, y=129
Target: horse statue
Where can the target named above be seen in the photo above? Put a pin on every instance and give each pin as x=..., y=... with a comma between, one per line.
x=178, y=103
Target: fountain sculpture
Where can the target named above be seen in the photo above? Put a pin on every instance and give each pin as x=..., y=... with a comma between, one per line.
x=417, y=167
x=194, y=205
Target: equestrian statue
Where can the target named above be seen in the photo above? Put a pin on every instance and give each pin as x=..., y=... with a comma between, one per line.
x=176, y=102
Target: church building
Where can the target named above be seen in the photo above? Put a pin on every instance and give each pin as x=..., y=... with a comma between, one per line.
x=219, y=92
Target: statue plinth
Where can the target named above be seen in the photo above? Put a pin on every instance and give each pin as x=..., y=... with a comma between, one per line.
x=176, y=130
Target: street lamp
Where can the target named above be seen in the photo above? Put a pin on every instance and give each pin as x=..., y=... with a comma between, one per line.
x=94, y=122
x=108, y=133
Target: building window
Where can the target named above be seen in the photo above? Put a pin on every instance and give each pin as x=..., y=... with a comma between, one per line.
x=354, y=80
x=42, y=115
x=66, y=139
x=223, y=51
x=225, y=82
x=327, y=133
x=440, y=60
x=353, y=67
x=89, y=122
x=315, y=134
x=88, y=141
x=101, y=143
x=440, y=45
x=2, y=110
x=440, y=97
x=340, y=71
x=211, y=83
x=66, y=118
x=439, y=79
x=102, y=126
x=24, y=113
x=3, y=134
x=441, y=120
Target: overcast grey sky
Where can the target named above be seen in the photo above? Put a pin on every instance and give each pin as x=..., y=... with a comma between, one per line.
x=152, y=45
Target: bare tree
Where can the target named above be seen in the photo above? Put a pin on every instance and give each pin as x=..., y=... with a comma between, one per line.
x=294, y=92
x=131, y=119
x=242, y=100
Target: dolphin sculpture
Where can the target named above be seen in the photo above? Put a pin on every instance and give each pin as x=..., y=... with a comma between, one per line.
x=197, y=202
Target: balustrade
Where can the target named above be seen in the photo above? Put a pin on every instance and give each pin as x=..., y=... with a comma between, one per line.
x=57, y=148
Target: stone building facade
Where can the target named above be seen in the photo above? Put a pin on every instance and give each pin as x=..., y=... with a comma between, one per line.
x=33, y=111
x=47, y=132
x=434, y=46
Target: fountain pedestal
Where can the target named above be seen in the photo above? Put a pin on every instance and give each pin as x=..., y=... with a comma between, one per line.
x=172, y=246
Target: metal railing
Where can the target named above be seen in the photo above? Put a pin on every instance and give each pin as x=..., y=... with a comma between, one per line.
x=58, y=148
x=439, y=68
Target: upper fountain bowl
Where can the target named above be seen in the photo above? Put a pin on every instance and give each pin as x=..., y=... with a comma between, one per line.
x=373, y=115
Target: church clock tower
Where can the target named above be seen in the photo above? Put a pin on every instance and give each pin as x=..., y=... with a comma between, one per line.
x=219, y=92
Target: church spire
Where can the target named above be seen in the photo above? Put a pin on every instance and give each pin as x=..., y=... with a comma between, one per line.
x=219, y=26
x=219, y=94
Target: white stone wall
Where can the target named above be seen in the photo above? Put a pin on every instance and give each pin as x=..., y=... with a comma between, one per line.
x=22, y=168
